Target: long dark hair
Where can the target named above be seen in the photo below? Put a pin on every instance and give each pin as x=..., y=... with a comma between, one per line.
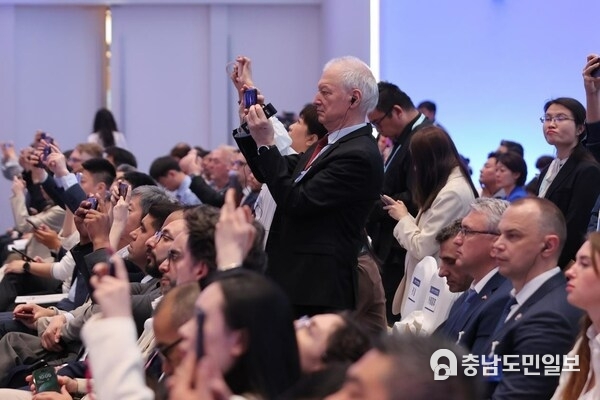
x=104, y=126
x=258, y=307
x=434, y=156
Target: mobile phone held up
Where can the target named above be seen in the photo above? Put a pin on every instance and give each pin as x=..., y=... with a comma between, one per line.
x=123, y=189
x=45, y=380
x=93, y=202
x=250, y=97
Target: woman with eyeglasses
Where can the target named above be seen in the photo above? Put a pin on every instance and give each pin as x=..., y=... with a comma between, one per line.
x=572, y=180
x=443, y=191
x=583, y=291
x=511, y=174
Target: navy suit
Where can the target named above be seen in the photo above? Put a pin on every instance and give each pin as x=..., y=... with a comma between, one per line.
x=545, y=324
x=478, y=323
x=315, y=236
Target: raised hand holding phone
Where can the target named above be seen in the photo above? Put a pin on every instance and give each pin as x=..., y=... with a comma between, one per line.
x=112, y=293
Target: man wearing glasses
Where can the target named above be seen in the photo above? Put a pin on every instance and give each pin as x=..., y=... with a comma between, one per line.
x=474, y=314
x=397, y=118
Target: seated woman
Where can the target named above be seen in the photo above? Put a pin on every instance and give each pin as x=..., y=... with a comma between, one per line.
x=583, y=289
x=443, y=191
x=511, y=174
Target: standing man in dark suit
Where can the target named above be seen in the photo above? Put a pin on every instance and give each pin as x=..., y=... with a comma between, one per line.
x=537, y=319
x=474, y=314
x=397, y=118
x=323, y=196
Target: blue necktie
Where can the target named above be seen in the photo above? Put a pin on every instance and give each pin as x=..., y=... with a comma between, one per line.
x=456, y=318
x=511, y=302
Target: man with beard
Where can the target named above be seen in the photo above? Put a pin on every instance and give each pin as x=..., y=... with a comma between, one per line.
x=60, y=341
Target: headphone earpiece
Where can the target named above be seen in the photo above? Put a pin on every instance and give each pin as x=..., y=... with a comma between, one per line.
x=353, y=100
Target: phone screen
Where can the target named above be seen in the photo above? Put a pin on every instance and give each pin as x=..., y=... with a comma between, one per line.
x=200, y=334
x=45, y=380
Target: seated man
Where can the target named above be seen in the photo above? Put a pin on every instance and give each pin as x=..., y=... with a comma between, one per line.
x=474, y=315
x=537, y=319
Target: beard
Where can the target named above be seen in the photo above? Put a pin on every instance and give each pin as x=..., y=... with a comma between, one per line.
x=152, y=267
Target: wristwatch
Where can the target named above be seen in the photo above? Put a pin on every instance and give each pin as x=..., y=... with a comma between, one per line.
x=263, y=149
x=26, y=267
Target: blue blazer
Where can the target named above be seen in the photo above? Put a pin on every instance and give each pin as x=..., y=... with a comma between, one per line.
x=545, y=324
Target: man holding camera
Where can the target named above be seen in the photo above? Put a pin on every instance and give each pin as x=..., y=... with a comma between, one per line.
x=323, y=195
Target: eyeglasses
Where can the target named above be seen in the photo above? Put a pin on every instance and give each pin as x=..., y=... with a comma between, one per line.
x=556, y=118
x=466, y=232
x=378, y=120
x=161, y=234
x=164, y=350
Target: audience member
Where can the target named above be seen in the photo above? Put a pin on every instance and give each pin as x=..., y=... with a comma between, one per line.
x=168, y=174
x=180, y=150
x=105, y=131
x=323, y=195
x=507, y=145
x=443, y=191
x=511, y=173
x=474, y=315
x=429, y=109
x=582, y=292
x=396, y=118
x=119, y=156
x=537, y=319
x=487, y=178
x=572, y=181
x=400, y=368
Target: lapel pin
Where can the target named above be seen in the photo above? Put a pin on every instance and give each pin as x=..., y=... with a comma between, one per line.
x=518, y=316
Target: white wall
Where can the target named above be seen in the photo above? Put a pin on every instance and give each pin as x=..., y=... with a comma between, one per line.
x=489, y=65
x=168, y=63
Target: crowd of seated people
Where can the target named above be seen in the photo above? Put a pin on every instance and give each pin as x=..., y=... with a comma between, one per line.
x=287, y=267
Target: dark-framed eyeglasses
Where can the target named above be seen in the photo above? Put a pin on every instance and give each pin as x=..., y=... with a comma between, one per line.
x=379, y=120
x=161, y=234
x=467, y=232
x=165, y=350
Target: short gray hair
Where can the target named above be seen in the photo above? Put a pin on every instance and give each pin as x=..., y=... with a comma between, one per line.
x=149, y=195
x=357, y=75
x=492, y=209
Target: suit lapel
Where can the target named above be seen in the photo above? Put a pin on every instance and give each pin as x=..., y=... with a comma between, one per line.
x=562, y=175
x=543, y=290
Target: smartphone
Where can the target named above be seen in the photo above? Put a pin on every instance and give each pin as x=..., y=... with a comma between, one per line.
x=30, y=222
x=111, y=268
x=200, y=334
x=25, y=256
x=45, y=380
x=250, y=97
x=123, y=190
x=47, y=138
x=596, y=72
x=23, y=315
x=93, y=202
x=386, y=201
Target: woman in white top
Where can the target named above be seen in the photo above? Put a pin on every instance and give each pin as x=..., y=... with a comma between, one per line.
x=583, y=291
x=106, y=132
x=442, y=189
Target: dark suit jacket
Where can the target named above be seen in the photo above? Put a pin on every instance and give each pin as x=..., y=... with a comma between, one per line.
x=315, y=236
x=478, y=323
x=71, y=198
x=396, y=184
x=545, y=324
x=574, y=191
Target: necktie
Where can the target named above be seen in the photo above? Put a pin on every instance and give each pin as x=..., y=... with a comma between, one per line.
x=507, y=307
x=457, y=318
x=320, y=144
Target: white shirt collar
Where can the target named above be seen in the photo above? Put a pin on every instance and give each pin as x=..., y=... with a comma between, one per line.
x=483, y=281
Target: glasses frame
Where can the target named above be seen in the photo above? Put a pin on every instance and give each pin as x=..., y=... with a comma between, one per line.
x=378, y=121
x=557, y=118
x=164, y=350
x=465, y=232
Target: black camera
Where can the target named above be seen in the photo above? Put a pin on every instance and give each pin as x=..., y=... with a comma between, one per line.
x=269, y=111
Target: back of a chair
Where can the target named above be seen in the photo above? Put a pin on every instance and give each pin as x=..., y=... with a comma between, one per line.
x=437, y=303
x=419, y=286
